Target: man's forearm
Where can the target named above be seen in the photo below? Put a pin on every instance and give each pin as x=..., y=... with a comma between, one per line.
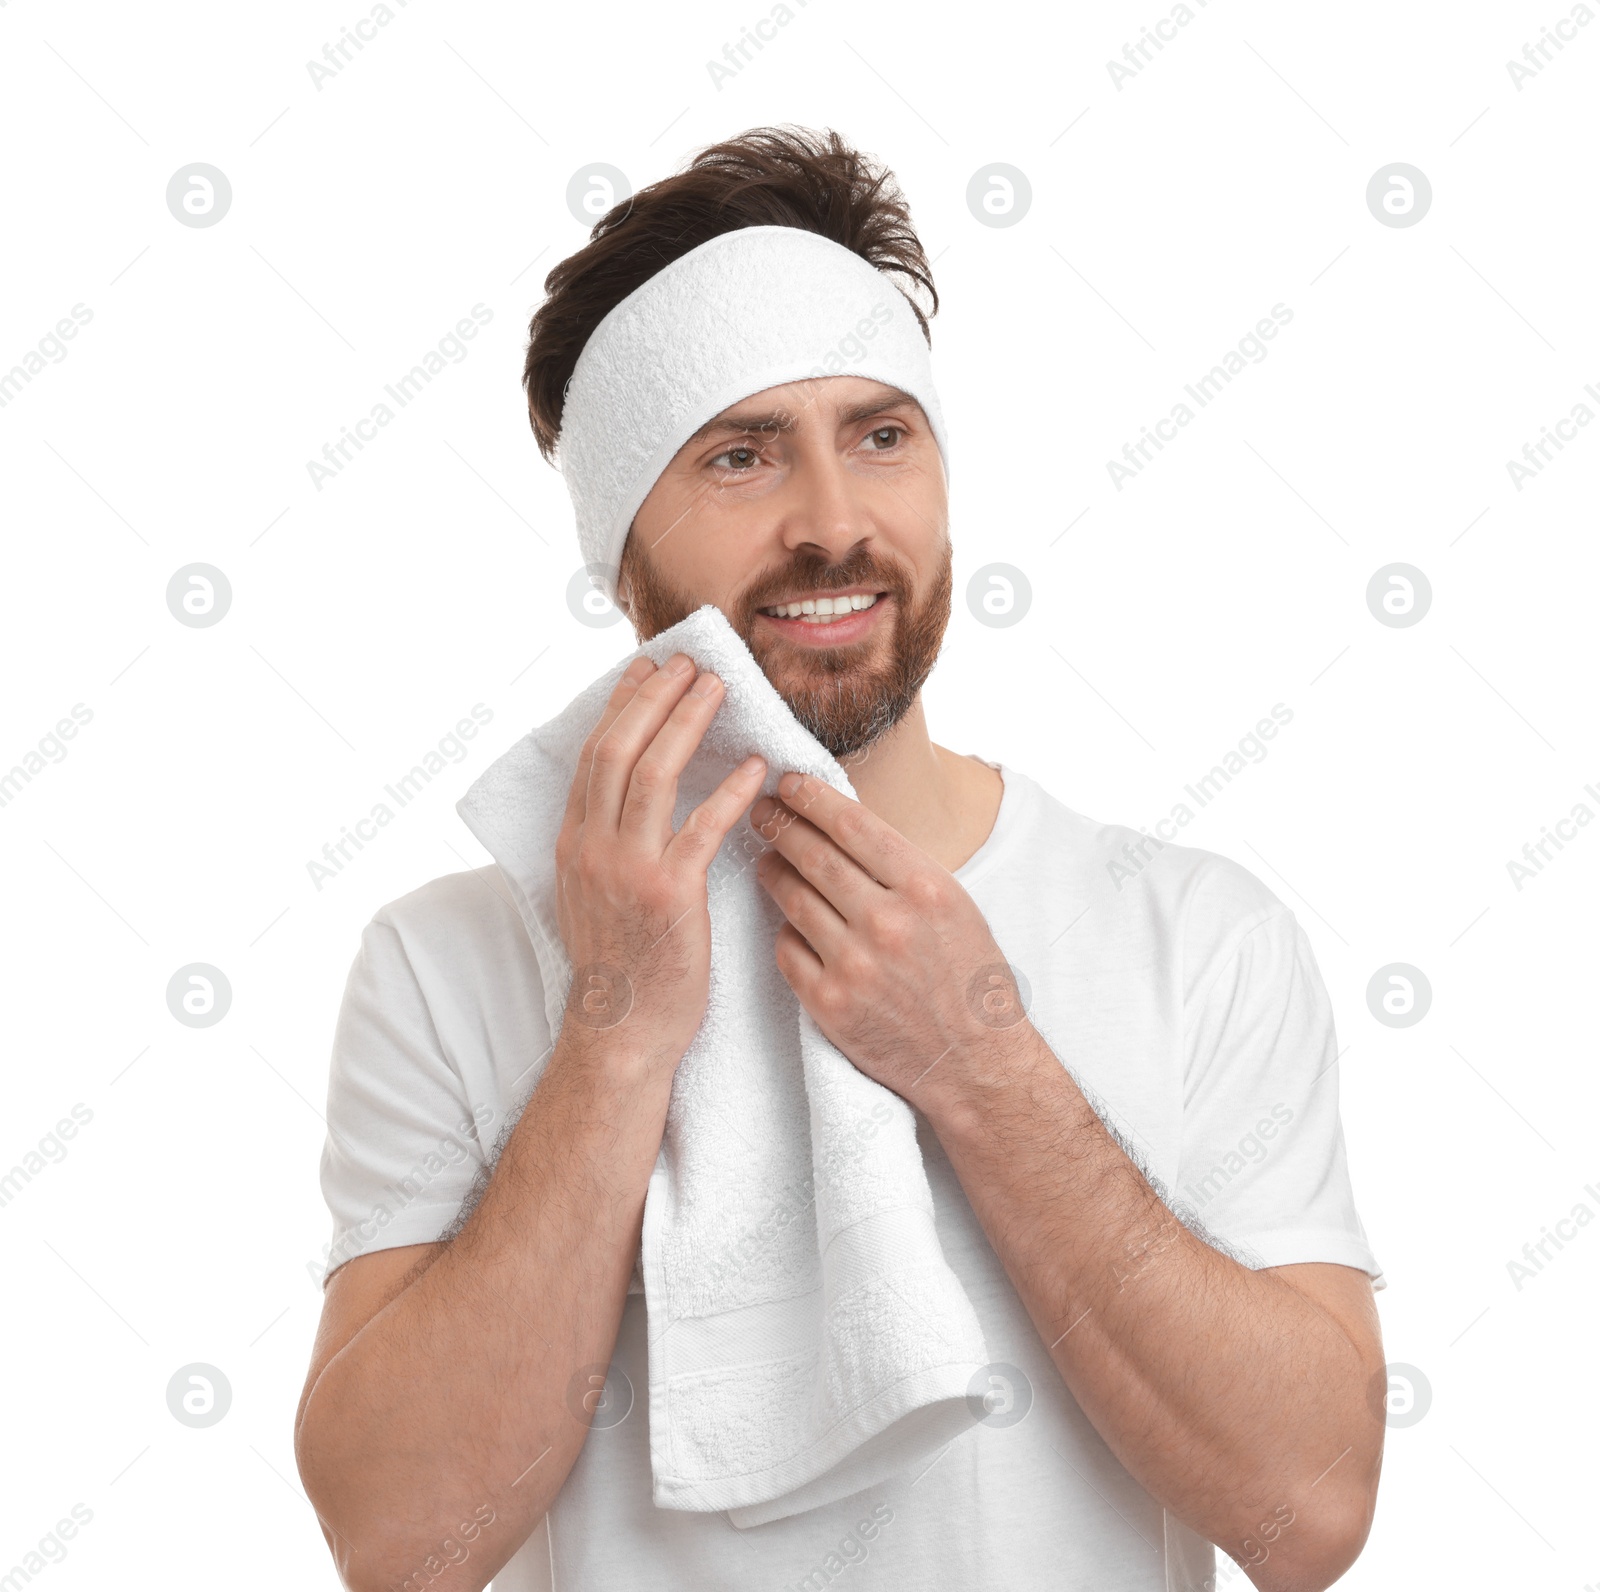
x=466, y=1395
x=1232, y=1398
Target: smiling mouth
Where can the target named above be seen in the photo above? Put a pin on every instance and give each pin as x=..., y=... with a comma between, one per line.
x=823, y=611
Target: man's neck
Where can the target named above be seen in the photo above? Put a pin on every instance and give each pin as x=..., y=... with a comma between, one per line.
x=939, y=800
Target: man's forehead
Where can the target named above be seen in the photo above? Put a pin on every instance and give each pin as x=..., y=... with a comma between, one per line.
x=834, y=399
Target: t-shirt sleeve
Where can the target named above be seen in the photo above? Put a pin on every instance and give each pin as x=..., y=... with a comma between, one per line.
x=1262, y=1164
x=402, y=1149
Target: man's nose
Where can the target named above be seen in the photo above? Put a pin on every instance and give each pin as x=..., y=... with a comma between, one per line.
x=826, y=505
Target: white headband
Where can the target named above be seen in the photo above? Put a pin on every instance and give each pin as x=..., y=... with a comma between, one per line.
x=745, y=311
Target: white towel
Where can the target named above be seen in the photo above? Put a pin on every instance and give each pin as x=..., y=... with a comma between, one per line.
x=806, y=1337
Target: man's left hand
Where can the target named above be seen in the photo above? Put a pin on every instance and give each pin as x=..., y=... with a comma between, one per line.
x=891, y=957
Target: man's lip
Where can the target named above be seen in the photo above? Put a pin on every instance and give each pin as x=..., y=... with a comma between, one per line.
x=815, y=596
x=839, y=632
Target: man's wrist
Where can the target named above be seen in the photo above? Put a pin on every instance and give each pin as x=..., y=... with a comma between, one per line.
x=619, y=1058
x=964, y=1096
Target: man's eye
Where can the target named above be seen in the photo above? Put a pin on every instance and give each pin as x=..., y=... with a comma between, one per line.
x=749, y=455
x=893, y=431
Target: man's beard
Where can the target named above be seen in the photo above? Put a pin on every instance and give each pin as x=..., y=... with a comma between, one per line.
x=848, y=697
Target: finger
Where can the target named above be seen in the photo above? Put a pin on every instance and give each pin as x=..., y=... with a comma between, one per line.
x=802, y=904
x=878, y=847
x=840, y=879
x=618, y=749
x=704, y=830
x=652, y=795
x=633, y=677
x=799, y=964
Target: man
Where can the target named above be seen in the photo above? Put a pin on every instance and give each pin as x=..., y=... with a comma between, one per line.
x=1140, y=1183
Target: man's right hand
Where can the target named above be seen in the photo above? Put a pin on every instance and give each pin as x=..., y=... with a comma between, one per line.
x=632, y=898
x=444, y=1372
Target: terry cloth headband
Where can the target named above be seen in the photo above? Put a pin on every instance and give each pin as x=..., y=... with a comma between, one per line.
x=744, y=311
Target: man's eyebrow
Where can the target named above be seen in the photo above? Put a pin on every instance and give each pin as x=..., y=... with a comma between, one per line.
x=737, y=425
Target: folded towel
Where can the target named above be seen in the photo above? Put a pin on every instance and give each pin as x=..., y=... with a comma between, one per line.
x=806, y=1337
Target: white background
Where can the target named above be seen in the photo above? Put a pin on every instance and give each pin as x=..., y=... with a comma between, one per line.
x=1168, y=215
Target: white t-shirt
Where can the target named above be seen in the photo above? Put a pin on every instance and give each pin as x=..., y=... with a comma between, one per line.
x=1185, y=999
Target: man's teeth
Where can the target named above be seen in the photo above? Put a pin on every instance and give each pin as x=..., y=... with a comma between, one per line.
x=822, y=610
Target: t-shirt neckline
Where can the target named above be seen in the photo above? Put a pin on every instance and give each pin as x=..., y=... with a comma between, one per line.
x=1005, y=820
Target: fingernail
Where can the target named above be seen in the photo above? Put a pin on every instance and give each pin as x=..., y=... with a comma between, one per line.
x=707, y=685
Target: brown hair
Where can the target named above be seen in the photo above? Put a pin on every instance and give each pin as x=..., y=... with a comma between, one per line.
x=767, y=177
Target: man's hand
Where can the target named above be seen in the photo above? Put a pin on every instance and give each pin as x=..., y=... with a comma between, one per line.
x=632, y=904
x=891, y=957
x=1224, y=1391
x=461, y=1388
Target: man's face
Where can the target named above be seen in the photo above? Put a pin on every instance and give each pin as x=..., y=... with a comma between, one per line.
x=821, y=489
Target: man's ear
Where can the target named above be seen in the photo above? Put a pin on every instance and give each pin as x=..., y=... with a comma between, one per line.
x=624, y=598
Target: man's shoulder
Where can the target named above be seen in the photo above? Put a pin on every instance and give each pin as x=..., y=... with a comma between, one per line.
x=1144, y=872
x=457, y=917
